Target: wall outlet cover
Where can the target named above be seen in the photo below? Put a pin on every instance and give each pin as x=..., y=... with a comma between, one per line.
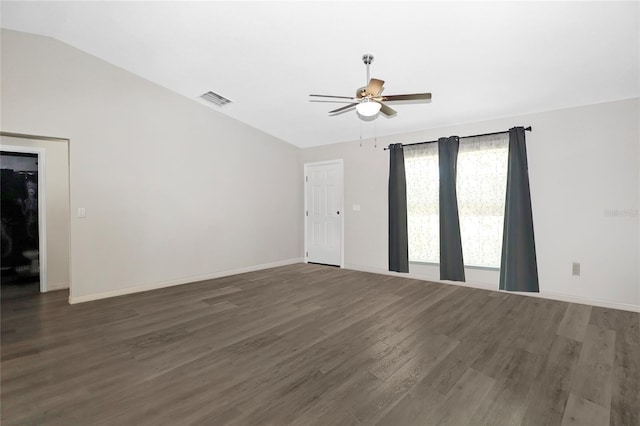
x=575, y=269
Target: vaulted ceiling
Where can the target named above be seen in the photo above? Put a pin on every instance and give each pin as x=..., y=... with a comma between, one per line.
x=481, y=60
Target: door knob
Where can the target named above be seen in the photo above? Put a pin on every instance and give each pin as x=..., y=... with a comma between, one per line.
x=338, y=212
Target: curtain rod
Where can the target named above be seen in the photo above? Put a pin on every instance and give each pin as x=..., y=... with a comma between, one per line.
x=462, y=137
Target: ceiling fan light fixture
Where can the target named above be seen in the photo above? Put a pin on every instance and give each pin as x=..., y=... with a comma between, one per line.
x=368, y=108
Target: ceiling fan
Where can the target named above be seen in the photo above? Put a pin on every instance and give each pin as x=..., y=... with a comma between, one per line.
x=369, y=99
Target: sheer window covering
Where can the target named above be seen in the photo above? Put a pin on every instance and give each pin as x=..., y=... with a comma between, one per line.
x=481, y=189
x=423, y=215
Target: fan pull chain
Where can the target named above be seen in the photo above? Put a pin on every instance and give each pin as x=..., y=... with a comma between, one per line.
x=375, y=129
x=360, y=133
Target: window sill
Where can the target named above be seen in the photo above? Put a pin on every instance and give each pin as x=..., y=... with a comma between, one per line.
x=479, y=268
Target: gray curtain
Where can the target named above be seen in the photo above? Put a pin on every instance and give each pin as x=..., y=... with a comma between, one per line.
x=518, y=268
x=451, y=261
x=398, y=237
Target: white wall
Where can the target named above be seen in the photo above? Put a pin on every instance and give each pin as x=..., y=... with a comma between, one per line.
x=57, y=207
x=173, y=190
x=583, y=166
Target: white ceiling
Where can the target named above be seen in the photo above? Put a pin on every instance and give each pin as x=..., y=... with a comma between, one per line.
x=481, y=60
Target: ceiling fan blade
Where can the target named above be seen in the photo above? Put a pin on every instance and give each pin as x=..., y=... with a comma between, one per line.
x=374, y=87
x=344, y=108
x=387, y=111
x=330, y=96
x=412, y=97
x=337, y=101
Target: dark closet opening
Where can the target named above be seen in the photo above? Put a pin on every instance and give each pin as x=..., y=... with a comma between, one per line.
x=20, y=255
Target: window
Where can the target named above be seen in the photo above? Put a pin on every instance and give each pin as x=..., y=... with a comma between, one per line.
x=481, y=188
x=423, y=178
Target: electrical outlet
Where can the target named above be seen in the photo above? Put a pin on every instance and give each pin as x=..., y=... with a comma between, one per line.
x=575, y=269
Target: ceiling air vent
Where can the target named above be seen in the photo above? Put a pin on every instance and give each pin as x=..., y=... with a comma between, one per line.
x=215, y=98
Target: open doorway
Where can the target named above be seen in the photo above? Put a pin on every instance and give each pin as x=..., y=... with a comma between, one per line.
x=52, y=258
x=20, y=252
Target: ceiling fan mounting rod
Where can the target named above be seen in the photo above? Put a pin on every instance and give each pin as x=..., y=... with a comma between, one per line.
x=367, y=58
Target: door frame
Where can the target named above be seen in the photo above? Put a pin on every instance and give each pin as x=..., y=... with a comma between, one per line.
x=340, y=162
x=42, y=208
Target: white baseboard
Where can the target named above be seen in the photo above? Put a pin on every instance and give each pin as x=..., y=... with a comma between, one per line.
x=59, y=286
x=180, y=281
x=484, y=286
x=583, y=301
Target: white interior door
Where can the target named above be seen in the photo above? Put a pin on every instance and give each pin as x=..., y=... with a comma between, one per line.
x=323, y=212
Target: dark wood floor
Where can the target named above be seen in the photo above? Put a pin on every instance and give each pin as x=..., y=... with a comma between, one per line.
x=309, y=344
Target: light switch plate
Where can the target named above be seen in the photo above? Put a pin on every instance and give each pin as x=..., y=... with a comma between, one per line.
x=82, y=212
